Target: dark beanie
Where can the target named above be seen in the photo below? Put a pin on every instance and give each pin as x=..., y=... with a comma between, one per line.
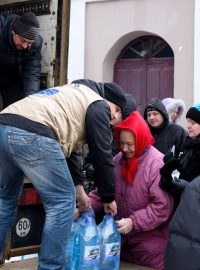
x=131, y=106
x=27, y=26
x=115, y=94
x=194, y=113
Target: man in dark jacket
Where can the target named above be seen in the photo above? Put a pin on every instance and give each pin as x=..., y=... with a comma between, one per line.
x=166, y=134
x=20, y=56
x=37, y=133
x=86, y=158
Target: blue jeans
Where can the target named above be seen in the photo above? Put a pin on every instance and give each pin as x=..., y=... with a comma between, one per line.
x=42, y=161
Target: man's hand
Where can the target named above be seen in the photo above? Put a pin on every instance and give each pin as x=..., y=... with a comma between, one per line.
x=77, y=213
x=125, y=225
x=110, y=208
x=82, y=199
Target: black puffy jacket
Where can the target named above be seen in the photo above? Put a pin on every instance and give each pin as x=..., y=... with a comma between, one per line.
x=187, y=164
x=27, y=62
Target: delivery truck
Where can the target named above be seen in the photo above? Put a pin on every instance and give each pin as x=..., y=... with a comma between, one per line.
x=53, y=15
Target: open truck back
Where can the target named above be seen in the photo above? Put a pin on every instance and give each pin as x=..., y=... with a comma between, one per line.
x=53, y=15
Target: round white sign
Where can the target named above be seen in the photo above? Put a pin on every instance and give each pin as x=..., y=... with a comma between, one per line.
x=23, y=227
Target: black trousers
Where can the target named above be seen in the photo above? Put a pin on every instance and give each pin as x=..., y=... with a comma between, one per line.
x=11, y=89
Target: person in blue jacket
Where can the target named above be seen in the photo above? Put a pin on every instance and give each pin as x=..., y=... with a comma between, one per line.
x=20, y=56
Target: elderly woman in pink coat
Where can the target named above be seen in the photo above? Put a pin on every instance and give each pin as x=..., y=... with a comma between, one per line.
x=144, y=209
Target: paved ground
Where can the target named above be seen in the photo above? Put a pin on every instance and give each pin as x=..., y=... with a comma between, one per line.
x=31, y=264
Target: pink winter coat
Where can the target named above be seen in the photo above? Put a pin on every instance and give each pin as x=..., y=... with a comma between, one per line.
x=147, y=205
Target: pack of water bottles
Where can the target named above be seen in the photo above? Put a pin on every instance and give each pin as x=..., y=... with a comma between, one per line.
x=93, y=247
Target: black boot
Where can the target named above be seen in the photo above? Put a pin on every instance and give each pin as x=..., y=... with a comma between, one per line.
x=2, y=261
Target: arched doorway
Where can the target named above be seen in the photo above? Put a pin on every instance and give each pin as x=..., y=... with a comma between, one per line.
x=145, y=69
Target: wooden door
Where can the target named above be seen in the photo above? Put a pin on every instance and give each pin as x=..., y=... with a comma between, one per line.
x=131, y=76
x=146, y=76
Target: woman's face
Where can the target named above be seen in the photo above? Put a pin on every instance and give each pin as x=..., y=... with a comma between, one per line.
x=173, y=116
x=193, y=128
x=127, y=143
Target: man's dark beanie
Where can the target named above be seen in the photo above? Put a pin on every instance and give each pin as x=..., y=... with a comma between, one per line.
x=194, y=113
x=115, y=94
x=131, y=106
x=27, y=26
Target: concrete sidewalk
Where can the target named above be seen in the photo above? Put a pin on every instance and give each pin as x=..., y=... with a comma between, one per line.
x=31, y=264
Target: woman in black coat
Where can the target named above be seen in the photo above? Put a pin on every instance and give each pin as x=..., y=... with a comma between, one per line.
x=183, y=250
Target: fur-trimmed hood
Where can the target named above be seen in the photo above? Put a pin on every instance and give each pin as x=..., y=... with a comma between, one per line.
x=172, y=105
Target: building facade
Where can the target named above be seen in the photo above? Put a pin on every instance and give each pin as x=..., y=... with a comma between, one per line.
x=149, y=47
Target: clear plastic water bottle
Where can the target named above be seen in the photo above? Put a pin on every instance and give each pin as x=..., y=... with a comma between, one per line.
x=86, y=252
x=70, y=244
x=110, y=244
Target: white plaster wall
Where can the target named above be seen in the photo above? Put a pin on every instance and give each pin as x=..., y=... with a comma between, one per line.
x=76, y=56
x=110, y=25
x=197, y=53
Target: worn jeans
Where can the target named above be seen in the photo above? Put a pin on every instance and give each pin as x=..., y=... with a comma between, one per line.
x=42, y=161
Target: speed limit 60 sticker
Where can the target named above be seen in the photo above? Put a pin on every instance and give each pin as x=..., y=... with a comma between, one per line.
x=23, y=227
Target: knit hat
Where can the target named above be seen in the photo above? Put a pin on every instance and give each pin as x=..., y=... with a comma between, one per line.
x=194, y=113
x=27, y=26
x=131, y=106
x=115, y=94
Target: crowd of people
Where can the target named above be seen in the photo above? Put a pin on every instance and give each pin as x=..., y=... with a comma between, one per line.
x=145, y=168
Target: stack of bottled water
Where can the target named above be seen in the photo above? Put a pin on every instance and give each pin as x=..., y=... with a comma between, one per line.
x=86, y=246
x=110, y=244
x=70, y=245
x=91, y=247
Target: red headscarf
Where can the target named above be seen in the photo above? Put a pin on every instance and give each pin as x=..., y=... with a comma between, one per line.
x=143, y=139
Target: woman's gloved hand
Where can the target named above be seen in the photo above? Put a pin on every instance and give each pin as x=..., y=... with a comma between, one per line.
x=171, y=164
x=178, y=184
x=172, y=185
x=169, y=167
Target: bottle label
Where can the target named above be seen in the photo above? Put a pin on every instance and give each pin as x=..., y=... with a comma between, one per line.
x=111, y=251
x=91, y=255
